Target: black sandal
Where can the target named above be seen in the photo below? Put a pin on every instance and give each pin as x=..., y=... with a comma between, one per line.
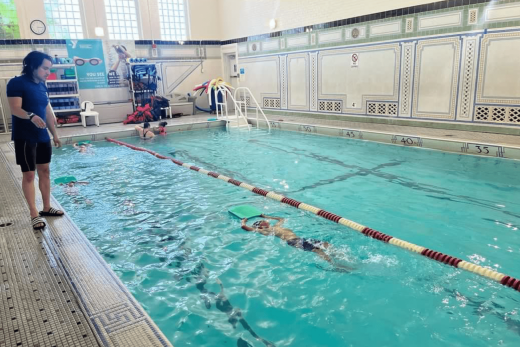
x=37, y=223
x=52, y=213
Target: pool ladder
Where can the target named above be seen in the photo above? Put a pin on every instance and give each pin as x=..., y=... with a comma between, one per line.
x=240, y=118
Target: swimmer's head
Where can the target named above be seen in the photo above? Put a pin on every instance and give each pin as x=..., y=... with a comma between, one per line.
x=146, y=125
x=163, y=124
x=261, y=224
x=71, y=184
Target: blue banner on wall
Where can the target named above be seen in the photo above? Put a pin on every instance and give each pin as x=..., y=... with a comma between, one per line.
x=89, y=59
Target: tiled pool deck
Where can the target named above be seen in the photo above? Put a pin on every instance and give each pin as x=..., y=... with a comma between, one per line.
x=56, y=290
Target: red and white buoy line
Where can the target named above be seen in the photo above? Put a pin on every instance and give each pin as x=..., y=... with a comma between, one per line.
x=440, y=257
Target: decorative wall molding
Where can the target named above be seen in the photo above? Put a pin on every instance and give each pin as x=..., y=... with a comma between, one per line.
x=283, y=80
x=382, y=108
x=271, y=45
x=473, y=16
x=407, y=70
x=468, y=77
x=497, y=114
x=330, y=36
x=264, y=76
x=298, y=41
x=435, y=87
x=242, y=49
x=298, y=80
x=502, y=13
x=333, y=106
x=180, y=52
x=388, y=28
x=499, y=74
x=314, y=81
x=271, y=103
x=409, y=25
x=344, y=55
x=355, y=33
x=450, y=19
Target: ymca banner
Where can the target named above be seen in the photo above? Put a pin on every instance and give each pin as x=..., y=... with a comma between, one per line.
x=90, y=63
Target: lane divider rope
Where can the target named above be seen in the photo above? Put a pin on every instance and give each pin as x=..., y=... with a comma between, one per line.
x=437, y=256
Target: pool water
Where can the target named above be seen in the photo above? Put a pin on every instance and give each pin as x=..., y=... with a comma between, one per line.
x=166, y=232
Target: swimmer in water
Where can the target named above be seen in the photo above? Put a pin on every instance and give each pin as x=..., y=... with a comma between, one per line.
x=310, y=245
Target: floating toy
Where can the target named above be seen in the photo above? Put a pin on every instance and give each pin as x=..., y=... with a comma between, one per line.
x=65, y=180
x=245, y=211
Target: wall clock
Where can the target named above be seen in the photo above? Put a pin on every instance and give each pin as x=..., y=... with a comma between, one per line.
x=38, y=27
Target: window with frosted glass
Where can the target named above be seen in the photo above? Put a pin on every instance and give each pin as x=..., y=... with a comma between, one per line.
x=63, y=19
x=122, y=19
x=172, y=15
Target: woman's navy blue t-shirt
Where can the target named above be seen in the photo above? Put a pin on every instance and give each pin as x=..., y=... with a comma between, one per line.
x=34, y=99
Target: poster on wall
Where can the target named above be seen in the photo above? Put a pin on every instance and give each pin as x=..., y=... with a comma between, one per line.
x=90, y=63
x=116, y=54
x=101, y=64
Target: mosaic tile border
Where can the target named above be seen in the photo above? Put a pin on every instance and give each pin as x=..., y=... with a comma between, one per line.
x=400, y=24
x=38, y=305
x=406, y=140
x=111, y=310
x=475, y=127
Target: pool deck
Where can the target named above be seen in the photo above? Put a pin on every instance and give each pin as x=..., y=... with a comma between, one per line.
x=56, y=290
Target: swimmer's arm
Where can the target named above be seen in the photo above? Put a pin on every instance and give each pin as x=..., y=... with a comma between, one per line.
x=245, y=227
x=280, y=220
x=137, y=127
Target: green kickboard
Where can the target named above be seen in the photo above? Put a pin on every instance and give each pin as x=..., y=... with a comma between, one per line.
x=245, y=211
x=65, y=180
x=81, y=143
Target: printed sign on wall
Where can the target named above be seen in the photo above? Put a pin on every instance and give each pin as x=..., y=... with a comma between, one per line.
x=116, y=55
x=355, y=60
x=90, y=64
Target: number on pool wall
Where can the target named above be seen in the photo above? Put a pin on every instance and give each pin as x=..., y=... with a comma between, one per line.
x=351, y=134
x=307, y=128
x=407, y=140
x=483, y=149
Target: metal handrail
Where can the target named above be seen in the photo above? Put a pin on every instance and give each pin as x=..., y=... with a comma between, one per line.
x=244, y=90
x=238, y=112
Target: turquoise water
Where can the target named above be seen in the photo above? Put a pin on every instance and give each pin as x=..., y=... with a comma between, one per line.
x=166, y=232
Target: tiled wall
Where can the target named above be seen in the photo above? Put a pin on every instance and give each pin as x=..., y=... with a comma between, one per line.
x=456, y=64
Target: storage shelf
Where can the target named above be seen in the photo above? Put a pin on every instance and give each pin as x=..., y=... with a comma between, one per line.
x=68, y=110
x=66, y=80
x=69, y=124
x=63, y=96
x=57, y=66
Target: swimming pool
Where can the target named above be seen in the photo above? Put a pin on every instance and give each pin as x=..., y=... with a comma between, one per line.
x=166, y=232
